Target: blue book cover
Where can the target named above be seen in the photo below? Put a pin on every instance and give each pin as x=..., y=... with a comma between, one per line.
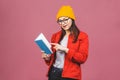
x=43, y=44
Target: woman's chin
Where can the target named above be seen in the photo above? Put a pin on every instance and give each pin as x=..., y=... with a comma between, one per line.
x=65, y=28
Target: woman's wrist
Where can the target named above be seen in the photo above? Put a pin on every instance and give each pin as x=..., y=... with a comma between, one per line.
x=66, y=50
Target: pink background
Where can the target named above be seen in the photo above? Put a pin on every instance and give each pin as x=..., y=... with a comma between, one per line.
x=22, y=20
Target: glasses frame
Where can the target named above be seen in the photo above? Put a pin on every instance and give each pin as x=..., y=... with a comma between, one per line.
x=65, y=21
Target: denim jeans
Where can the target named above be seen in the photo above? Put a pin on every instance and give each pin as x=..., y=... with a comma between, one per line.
x=55, y=74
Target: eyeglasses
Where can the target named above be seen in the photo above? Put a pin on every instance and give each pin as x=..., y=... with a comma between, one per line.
x=65, y=21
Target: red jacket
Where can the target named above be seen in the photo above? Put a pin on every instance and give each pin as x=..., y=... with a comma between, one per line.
x=77, y=54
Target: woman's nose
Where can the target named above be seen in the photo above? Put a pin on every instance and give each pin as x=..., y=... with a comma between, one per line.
x=62, y=23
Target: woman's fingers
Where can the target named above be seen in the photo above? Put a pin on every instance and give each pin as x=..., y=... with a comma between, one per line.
x=54, y=44
x=57, y=46
x=46, y=56
x=43, y=55
x=42, y=51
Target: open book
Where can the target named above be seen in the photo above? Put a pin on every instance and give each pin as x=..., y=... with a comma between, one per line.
x=43, y=43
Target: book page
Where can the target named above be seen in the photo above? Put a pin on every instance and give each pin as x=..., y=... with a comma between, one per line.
x=42, y=37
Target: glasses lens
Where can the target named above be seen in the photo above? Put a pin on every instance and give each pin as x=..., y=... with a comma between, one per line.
x=64, y=21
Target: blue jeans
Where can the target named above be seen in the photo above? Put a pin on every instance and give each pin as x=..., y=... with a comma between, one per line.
x=55, y=74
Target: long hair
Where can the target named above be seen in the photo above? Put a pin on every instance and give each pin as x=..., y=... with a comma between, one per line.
x=73, y=31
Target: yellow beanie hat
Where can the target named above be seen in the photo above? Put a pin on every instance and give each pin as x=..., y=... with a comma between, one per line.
x=66, y=11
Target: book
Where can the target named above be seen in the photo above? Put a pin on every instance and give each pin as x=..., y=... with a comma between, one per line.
x=43, y=43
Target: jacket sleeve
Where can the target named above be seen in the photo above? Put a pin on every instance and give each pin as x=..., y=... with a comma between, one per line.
x=81, y=55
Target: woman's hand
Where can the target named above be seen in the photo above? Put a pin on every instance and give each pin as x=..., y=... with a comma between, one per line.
x=59, y=47
x=45, y=56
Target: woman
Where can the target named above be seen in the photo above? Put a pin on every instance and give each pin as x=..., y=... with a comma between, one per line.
x=70, y=48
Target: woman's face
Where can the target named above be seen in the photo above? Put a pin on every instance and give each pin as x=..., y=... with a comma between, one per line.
x=65, y=22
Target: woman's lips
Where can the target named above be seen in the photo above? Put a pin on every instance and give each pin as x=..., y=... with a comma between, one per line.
x=64, y=26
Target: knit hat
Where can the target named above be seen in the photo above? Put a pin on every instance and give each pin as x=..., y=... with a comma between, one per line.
x=65, y=11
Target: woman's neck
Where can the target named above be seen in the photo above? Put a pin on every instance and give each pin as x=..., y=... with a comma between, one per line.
x=67, y=33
